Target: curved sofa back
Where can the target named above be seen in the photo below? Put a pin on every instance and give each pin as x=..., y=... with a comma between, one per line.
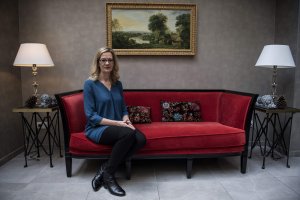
x=209, y=101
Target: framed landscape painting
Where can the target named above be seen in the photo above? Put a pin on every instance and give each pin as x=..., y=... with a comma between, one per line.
x=151, y=29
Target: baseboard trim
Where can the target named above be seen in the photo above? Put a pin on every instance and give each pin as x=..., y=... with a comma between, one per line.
x=11, y=155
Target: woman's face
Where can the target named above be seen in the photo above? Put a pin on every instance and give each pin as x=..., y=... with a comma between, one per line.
x=106, y=62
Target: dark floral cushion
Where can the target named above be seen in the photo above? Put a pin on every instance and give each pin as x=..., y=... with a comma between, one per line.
x=180, y=111
x=139, y=114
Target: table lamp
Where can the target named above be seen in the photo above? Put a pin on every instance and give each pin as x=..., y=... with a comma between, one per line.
x=33, y=55
x=275, y=56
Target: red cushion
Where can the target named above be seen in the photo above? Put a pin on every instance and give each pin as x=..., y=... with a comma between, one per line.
x=80, y=144
x=174, y=137
x=190, y=135
x=139, y=114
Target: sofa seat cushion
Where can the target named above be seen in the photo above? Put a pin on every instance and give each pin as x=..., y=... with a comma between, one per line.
x=80, y=144
x=190, y=135
x=173, y=136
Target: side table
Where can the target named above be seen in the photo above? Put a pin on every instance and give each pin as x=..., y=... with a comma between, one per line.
x=49, y=119
x=271, y=117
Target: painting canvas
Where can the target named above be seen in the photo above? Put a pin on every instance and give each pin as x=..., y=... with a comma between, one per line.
x=151, y=29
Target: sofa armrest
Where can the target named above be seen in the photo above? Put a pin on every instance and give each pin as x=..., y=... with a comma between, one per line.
x=236, y=108
x=72, y=113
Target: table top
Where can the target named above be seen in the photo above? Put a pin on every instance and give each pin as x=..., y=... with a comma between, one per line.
x=277, y=110
x=35, y=109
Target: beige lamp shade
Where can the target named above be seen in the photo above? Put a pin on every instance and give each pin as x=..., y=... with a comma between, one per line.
x=276, y=55
x=30, y=54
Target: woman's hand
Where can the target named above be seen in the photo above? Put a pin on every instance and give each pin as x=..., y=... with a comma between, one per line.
x=126, y=123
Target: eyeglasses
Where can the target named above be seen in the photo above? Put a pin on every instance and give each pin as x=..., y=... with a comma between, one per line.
x=109, y=60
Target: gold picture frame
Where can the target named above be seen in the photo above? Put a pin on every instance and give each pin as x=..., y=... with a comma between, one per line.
x=151, y=28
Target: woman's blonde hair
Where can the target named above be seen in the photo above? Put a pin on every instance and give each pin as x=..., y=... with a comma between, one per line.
x=95, y=67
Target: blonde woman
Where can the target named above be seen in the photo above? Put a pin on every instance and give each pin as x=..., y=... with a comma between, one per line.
x=107, y=118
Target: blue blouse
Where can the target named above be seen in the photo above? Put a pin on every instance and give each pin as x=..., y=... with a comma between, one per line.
x=99, y=103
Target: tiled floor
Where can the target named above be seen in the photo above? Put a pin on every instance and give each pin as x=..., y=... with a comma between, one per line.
x=212, y=179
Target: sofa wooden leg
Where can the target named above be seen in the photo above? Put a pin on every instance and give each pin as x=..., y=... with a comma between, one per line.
x=244, y=162
x=189, y=166
x=68, y=160
x=128, y=169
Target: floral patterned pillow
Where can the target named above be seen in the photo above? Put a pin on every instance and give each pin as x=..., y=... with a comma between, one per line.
x=139, y=114
x=180, y=111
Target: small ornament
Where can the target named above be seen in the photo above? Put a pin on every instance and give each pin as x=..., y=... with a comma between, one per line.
x=31, y=101
x=281, y=103
x=46, y=100
x=54, y=102
x=265, y=101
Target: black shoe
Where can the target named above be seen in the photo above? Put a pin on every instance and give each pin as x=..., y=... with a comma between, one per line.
x=97, y=181
x=110, y=183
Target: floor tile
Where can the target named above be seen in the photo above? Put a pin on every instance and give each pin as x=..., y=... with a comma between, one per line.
x=292, y=182
x=170, y=170
x=15, y=172
x=50, y=191
x=178, y=190
x=7, y=190
x=241, y=189
x=273, y=189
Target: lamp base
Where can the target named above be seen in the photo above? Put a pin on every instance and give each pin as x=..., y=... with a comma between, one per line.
x=274, y=83
x=35, y=84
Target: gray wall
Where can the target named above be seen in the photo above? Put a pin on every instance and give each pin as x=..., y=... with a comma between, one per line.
x=11, y=138
x=230, y=37
x=286, y=32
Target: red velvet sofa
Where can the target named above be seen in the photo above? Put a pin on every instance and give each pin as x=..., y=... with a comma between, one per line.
x=223, y=130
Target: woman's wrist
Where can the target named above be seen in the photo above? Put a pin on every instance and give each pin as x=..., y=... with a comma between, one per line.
x=110, y=122
x=119, y=123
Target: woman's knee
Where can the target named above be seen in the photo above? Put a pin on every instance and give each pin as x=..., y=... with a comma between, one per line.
x=129, y=133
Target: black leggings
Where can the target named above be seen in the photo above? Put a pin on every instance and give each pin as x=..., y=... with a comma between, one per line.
x=125, y=142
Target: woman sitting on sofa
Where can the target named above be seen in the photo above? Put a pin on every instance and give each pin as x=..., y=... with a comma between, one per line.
x=107, y=118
